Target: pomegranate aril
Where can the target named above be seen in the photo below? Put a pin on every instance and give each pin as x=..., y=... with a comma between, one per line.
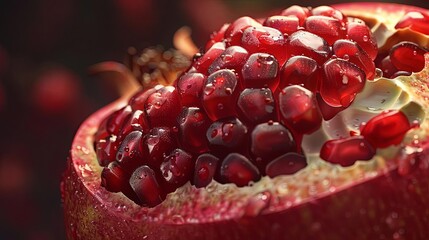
x=132, y=153
x=113, y=177
x=298, y=110
x=162, y=107
x=300, y=70
x=351, y=51
x=328, y=28
x=417, y=21
x=234, y=32
x=203, y=63
x=266, y=40
x=342, y=81
x=270, y=140
x=310, y=45
x=217, y=36
x=232, y=58
x=117, y=119
x=408, y=56
x=300, y=12
x=261, y=71
x=386, y=129
x=226, y=135
x=193, y=122
x=136, y=122
x=387, y=67
x=190, y=87
x=327, y=111
x=237, y=169
x=160, y=142
x=256, y=105
x=328, y=11
x=286, y=164
x=205, y=169
x=177, y=169
x=106, y=150
x=285, y=24
x=219, y=94
x=360, y=33
x=102, y=132
x=346, y=152
x=401, y=73
x=137, y=102
x=143, y=182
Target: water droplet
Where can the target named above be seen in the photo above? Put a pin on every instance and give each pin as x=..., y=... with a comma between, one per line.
x=209, y=89
x=365, y=38
x=220, y=106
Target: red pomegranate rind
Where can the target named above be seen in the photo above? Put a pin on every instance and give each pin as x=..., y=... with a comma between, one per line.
x=91, y=212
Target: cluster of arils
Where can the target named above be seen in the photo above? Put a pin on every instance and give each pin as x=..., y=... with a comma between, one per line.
x=242, y=108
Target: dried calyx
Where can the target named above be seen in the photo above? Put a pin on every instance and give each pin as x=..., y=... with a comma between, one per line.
x=244, y=108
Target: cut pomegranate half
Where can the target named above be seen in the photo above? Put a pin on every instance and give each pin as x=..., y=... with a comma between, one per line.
x=223, y=153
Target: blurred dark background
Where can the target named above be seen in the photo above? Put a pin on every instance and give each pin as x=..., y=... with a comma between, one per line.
x=46, y=47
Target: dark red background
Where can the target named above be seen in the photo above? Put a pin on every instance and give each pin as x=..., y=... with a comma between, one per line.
x=46, y=47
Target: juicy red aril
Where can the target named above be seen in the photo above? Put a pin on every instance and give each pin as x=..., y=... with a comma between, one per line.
x=401, y=73
x=310, y=45
x=217, y=36
x=190, y=87
x=347, y=151
x=342, y=81
x=177, y=169
x=286, y=164
x=265, y=39
x=226, y=135
x=408, y=56
x=417, y=21
x=300, y=70
x=106, y=150
x=232, y=58
x=351, y=51
x=136, y=122
x=261, y=70
x=386, y=129
x=117, y=119
x=237, y=169
x=300, y=12
x=137, y=102
x=256, y=105
x=327, y=111
x=160, y=142
x=298, y=110
x=143, y=182
x=387, y=67
x=132, y=153
x=328, y=28
x=360, y=33
x=218, y=94
x=205, y=169
x=328, y=11
x=113, y=177
x=285, y=24
x=234, y=32
x=192, y=123
x=270, y=140
x=161, y=105
x=102, y=132
x=203, y=63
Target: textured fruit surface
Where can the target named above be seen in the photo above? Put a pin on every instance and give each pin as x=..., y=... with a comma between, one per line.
x=265, y=168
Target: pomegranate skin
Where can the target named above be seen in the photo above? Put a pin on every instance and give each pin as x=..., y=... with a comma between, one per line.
x=375, y=208
x=385, y=206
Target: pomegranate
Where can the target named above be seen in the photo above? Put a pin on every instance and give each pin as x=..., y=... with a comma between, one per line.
x=310, y=124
